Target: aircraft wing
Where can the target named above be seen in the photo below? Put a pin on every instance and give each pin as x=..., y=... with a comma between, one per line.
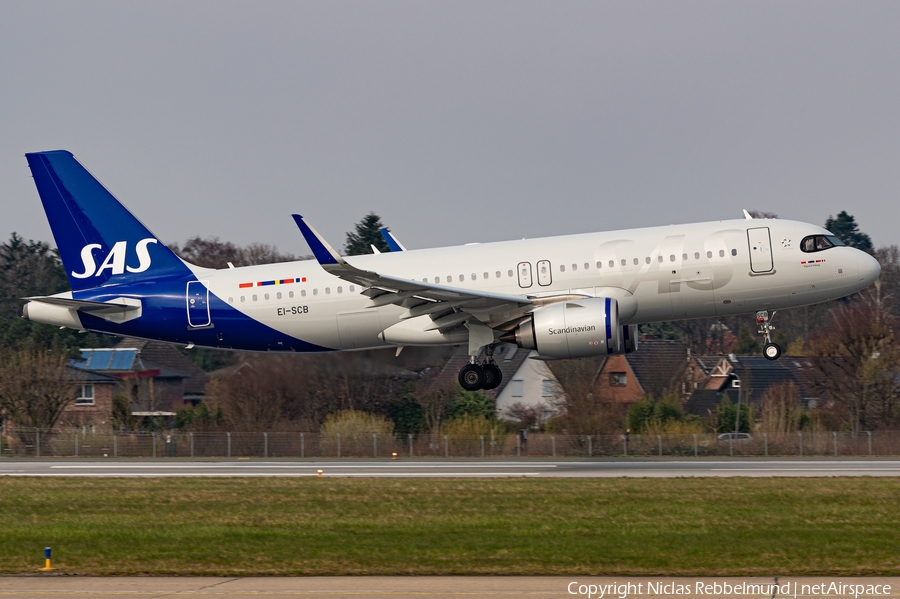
x=419, y=297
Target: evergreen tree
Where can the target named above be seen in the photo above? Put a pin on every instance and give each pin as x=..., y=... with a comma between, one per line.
x=746, y=342
x=367, y=234
x=845, y=228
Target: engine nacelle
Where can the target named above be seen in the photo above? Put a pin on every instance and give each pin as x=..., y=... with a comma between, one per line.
x=575, y=329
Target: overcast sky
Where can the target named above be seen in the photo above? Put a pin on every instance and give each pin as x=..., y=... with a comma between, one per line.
x=455, y=121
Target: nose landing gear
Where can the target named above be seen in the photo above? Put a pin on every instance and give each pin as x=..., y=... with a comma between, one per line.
x=771, y=351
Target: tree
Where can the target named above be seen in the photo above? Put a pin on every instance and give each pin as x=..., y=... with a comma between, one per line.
x=367, y=233
x=727, y=417
x=34, y=388
x=585, y=410
x=29, y=268
x=857, y=358
x=209, y=252
x=762, y=214
x=845, y=228
x=471, y=403
x=746, y=343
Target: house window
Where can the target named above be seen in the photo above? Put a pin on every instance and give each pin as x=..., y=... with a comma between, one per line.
x=617, y=379
x=547, y=388
x=736, y=384
x=517, y=387
x=84, y=395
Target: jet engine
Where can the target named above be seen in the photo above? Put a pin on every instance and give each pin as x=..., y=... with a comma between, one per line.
x=573, y=329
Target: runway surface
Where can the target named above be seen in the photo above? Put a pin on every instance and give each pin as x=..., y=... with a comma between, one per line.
x=451, y=468
x=363, y=587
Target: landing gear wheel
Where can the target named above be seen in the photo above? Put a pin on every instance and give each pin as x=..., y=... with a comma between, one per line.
x=471, y=377
x=492, y=376
x=772, y=351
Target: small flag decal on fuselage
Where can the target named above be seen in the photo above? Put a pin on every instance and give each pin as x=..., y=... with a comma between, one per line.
x=812, y=261
x=273, y=282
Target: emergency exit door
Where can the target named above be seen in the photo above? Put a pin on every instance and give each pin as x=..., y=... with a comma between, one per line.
x=760, y=244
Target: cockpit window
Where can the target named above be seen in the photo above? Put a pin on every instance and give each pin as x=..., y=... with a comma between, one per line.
x=817, y=243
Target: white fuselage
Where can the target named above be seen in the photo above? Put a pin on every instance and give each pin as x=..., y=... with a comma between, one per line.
x=673, y=272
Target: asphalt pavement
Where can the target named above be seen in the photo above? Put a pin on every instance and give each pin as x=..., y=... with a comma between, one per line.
x=450, y=468
x=477, y=587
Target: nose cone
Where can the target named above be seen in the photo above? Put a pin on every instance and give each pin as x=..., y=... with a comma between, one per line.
x=868, y=268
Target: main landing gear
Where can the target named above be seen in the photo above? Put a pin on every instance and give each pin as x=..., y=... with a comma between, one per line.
x=771, y=351
x=486, y=376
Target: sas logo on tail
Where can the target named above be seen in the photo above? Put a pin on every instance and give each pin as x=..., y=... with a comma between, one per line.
x=115, y=260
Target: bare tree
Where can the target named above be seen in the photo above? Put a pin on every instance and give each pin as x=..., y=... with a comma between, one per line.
x=858, y=359
x=780, y=410
x=584, y=408
x=34, y=389
x=212, y=253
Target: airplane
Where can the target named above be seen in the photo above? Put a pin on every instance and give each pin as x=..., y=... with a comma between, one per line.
x=569, y=296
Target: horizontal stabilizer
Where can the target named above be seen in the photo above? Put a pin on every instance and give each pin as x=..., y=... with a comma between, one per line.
x=89, y=307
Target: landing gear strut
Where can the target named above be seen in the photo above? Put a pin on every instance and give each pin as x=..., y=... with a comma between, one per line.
x=771, y=351
x=487, y=375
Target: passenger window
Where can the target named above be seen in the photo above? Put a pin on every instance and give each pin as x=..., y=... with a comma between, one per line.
x=599, y=265
x=623, y=262
x=587, y=265
x=510, y=273
x=462, y=278
x=424, y=279
x=291, y=294
x=486, y=275
x=659, y=258
x=278, y=295
x=498, y=274
x=267, y=296
x=734, y=252
x=242, y=299
x=328, y=291
x=696, y=255
x=636, y=261
x=254, y=297
x=671, y=257
x=350, y=289
x=449, y=279
x=612, y=264
x=303, y=292
x=562, y=268
x=709, y=254
x=230, y=300
x=474, y=277
x=574, y=267
x=721, y=253
x=316, y=291
x=647, y=259
x=684, y=257
x=340, y=289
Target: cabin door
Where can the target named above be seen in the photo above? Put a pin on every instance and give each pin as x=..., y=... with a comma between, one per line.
x=198, y=304
x=760, y=250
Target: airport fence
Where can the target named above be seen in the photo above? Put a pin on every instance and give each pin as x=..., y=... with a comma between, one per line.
x=25, y=442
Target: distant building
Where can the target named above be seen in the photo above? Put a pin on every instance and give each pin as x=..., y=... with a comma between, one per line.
x=155, y=379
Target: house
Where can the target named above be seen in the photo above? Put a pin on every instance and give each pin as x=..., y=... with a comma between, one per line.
x=156, y=379
x=525, y=381
x=658, y=368
x=749, y=378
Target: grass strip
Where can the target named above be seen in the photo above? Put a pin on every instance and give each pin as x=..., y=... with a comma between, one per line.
x=281, y=526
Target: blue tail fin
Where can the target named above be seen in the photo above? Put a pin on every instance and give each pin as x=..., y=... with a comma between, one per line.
x=99, y=241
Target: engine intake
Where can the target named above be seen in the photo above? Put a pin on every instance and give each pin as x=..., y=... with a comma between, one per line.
x=575, y=329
